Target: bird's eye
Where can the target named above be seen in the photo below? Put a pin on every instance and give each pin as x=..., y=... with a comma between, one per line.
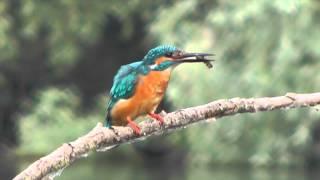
x=169, y=54
x=176, y=54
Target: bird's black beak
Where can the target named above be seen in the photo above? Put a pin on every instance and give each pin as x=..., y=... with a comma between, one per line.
x=184, y=57
x=187, y=55
x=191, y=57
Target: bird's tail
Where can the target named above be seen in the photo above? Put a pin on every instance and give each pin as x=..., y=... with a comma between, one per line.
x=108, y=119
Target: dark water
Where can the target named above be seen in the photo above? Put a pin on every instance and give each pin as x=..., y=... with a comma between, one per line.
x=99, y=168
x=125, y=172
x=153, y=163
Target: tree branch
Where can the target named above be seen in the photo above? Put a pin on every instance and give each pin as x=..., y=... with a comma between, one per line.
x=102, y=139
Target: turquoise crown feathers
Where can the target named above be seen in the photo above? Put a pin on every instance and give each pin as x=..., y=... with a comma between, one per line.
x=157, y=52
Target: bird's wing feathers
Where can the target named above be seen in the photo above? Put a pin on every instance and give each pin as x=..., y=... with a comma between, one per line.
x=123, y=86
x=124, y=82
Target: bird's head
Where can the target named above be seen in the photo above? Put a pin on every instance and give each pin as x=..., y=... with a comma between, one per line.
x=166, y=56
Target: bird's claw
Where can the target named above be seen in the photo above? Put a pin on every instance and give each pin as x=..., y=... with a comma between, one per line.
x=157, y=117
x=136, y=129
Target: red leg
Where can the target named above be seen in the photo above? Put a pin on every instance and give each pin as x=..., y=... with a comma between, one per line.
x=134, y=126
x=157, y=117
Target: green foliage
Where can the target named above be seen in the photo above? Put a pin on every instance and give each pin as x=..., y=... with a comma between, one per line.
x=7, y=44
x=69, y=23
x=54, y=119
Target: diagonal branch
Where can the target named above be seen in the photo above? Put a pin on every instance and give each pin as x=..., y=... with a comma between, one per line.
x=102, y=139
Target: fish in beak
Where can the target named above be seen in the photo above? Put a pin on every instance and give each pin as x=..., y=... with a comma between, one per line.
x=183, y=57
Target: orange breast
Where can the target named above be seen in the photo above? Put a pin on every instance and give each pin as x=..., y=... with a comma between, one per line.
x=148, y=95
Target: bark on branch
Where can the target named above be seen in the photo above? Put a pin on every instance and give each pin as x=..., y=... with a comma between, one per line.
x=101, y=138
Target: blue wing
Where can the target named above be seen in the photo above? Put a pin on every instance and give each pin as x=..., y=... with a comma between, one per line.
x=125, y=81
x=123, y=86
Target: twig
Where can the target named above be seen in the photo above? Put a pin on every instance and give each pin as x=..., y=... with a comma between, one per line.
x=101, y=138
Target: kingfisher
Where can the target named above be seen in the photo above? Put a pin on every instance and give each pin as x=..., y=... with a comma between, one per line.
x=139, y=87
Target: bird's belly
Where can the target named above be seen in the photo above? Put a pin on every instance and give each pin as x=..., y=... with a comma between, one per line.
x=122, y=109
x=148, y=95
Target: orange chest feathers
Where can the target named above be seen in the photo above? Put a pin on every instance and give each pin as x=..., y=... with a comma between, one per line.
x=153, y=85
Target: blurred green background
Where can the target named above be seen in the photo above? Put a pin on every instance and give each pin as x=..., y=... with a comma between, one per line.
x=58, y=59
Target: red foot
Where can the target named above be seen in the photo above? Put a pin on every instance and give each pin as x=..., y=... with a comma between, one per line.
x=157, y=117
x=134, y=126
